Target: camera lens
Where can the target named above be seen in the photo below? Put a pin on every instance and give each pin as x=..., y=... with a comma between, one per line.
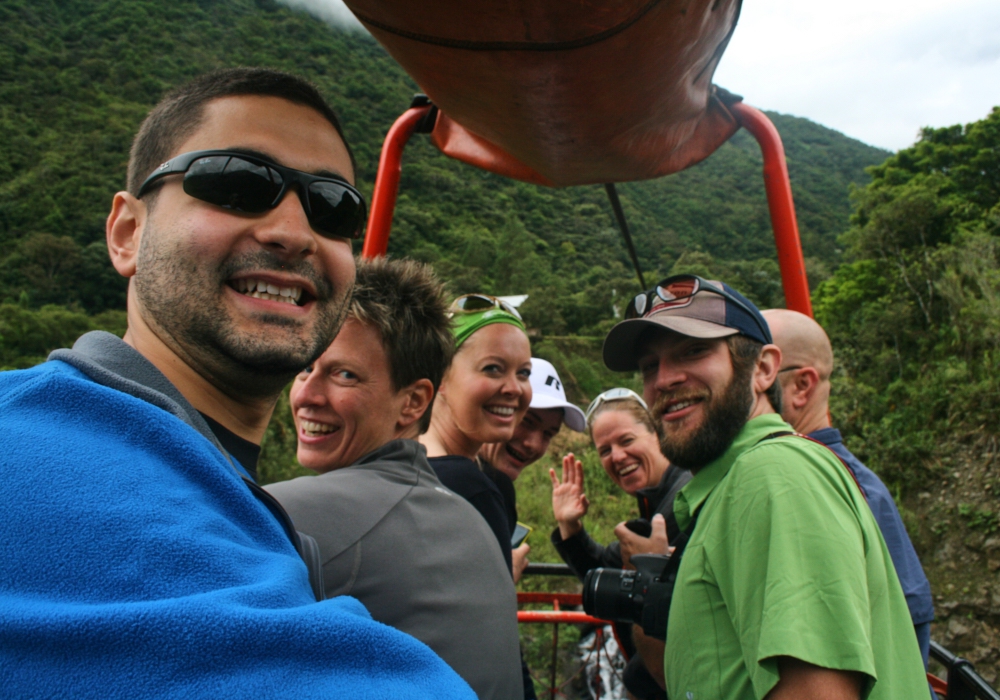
x=609, y=595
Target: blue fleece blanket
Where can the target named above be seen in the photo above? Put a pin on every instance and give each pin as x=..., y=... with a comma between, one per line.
x=136, y=564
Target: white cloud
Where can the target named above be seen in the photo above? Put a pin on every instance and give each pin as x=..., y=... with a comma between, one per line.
x=332, y=12
x=877, y=71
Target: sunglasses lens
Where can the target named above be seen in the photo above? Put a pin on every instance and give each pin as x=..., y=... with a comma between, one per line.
x=474, y=302
x=681, y=289
x=234, y=183
x=639, y=304
x=336, y=211
x=511, y=310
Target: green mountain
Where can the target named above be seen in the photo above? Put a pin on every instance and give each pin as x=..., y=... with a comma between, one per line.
x=77, y=77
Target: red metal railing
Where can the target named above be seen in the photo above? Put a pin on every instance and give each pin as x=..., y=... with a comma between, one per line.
x=556, y=617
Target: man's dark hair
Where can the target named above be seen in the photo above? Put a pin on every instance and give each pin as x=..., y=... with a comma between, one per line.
x=180, y=112
x=744, y=352
x=406, y=303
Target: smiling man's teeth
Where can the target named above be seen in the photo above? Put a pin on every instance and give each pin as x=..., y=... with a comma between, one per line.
x=679, y=406
x=265, y=290
x=501, y=410
x=313, y=429
x=515, y=454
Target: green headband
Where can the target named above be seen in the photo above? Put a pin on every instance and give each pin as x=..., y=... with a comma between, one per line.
x=463, y=324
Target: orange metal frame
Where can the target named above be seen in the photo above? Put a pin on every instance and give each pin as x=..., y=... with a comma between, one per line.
x=776, y=184
x=556, y=615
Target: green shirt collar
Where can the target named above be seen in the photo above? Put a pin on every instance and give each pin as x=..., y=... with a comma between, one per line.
x=693, y=495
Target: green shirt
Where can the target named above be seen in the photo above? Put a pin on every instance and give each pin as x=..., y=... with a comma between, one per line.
x=785, y=560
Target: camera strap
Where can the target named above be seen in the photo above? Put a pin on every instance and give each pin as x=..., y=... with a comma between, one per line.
x=654, y=617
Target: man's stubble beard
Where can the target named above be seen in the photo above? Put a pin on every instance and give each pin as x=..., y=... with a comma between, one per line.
x=724, y=419
x=183, y=298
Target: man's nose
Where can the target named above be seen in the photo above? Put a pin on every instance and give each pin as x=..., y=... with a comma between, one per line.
x=667, y=378
x=533, y=440
x=285, y=230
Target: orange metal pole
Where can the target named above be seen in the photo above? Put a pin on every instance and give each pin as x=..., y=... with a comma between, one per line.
x=559, y=617
x=779, y=201
x=387, y=182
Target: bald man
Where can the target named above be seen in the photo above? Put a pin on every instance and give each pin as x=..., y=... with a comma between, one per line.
x=806, y=365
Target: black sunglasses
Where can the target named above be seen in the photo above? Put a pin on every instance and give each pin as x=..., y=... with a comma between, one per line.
x=253, y=185
x=677, y=290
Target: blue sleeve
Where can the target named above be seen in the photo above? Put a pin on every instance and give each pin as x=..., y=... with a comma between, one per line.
x=137, y=564
x=911, y=575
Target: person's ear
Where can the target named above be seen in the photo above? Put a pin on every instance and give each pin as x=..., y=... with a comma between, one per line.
x=766, y=372
x=123, y=231
x=416, y=400
x=806, y=382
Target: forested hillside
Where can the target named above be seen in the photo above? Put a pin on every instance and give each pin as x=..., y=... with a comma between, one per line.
x=76, y=78
x=905, y=276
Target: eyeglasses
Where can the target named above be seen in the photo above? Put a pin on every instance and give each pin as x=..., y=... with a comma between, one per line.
x=789, y=369
x=253, y=185
x=475, y=303
x=617, y=394
x=678, y=291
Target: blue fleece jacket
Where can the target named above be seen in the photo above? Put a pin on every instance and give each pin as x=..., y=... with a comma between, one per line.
x=137, y=564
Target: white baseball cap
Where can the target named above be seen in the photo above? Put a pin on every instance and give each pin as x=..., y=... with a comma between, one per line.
x=547, y=392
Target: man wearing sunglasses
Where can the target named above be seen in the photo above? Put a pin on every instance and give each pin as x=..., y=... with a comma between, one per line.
x=807, y=363
x=785, y=588
x=141, y=559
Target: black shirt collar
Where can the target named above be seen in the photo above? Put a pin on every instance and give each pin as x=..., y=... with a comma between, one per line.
x=243, y=451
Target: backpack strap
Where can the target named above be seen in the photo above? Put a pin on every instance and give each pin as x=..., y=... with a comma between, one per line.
x=786, y=433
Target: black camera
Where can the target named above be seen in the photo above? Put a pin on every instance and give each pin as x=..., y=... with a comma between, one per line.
x=642, y=596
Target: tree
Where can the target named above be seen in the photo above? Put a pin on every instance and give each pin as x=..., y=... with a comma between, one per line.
x=915, y=313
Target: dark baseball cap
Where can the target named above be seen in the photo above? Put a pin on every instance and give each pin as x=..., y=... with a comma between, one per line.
x=685, y=304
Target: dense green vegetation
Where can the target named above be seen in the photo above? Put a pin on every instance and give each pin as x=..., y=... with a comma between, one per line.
x=908, y=285
x=915, y=312
x=77, y=77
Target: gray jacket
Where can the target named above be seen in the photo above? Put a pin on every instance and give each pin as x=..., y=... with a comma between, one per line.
x=419, y=557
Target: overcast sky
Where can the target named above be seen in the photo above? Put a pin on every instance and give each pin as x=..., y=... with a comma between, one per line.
x=877, y=70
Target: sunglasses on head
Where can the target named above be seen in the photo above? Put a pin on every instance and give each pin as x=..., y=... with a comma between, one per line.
x=474, y=303
x=678, y=291
x=253, y=185
x=617, y=394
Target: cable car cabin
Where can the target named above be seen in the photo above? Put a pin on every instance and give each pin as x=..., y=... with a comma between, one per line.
x=584, y=92
x=570, y=93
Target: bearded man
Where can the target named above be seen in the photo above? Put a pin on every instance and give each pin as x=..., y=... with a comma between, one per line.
x=786, y=588
x=140, y=557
